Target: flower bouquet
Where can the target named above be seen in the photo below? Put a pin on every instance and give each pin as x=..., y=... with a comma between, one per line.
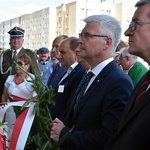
x=34, y=119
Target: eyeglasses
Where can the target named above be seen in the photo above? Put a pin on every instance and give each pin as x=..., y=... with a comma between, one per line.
x=20, y=63
x=134, y=23
x=87, y=35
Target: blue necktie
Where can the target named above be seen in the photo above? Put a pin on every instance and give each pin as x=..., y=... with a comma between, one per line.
x=82, y=87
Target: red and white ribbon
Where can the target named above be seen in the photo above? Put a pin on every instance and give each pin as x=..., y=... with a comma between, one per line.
x=22, y=125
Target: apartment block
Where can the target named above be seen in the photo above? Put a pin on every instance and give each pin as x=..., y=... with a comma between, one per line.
x=42, y=26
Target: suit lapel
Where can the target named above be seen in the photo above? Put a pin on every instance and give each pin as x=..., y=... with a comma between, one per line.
x=98, y=80
x=70, y=75
x=134, y=107
x=137, y=107
x=95, y=83
x=70, y=105
x=22, y=51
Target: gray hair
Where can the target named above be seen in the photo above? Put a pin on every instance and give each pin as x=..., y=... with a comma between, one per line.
x=142, y=3
x=124, y=52
x=109, y=26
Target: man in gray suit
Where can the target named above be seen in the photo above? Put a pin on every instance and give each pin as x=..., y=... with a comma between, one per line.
x=7, y=57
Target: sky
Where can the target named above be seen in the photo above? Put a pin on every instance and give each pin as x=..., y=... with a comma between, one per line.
x=14, y=8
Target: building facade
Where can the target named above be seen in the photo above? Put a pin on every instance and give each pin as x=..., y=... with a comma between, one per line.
x=42, y=26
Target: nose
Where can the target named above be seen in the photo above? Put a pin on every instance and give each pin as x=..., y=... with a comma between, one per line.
x=128, y=32
x=77, y=50
x=53, y=49
x=80, y=39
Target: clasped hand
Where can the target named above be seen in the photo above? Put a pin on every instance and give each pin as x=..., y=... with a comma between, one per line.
x=55, y=128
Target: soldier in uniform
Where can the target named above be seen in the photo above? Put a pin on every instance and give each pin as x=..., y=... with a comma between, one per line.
x=7, y=57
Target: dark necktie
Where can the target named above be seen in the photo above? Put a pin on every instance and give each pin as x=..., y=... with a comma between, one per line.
x=82, y=87
x=56, y=68
x=144, y=86
x=14, y=56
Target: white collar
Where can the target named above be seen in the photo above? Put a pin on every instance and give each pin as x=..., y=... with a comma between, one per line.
x=72, y=67
x=18, y=50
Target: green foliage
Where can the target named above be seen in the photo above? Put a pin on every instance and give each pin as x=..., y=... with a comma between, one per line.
x=39, y=135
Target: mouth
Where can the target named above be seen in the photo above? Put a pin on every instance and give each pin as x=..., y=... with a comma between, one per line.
x=81, y=48
x=130, y=40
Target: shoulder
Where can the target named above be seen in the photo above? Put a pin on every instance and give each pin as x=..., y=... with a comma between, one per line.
x=138, y=67
x=5, y=52
x=79, y=68
x=49, y=63
x=27, y=51
x=10, y=78
x=114, y=74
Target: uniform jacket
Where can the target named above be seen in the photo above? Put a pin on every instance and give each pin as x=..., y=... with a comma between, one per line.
x=134, y=130
x=99, y=112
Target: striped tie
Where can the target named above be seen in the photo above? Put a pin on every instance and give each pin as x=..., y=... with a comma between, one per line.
x=144, y=86
x=82, y=87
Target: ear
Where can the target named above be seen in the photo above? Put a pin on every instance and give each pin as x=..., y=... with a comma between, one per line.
x=108, y=43
x=75, y=55
x=127, y=57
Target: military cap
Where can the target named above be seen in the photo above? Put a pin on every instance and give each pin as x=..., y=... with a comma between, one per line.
x=43, y=50
x=16, y=32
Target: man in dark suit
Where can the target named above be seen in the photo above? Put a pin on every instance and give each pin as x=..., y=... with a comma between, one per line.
x=70, y=80
x=134, y=129
x=58, y=71
x=97, y=114
x=7, y=57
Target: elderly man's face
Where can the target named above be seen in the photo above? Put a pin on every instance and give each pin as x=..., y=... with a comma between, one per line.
x=55, y=47
x=67, y=56
x=91, y=47
x=16, y=42
x=44, y=56
x=139, y=35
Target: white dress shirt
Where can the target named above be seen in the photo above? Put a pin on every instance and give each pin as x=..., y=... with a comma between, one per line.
x=69, y=70
x=97, y=69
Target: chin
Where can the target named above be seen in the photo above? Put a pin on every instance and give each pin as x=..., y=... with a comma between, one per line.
x=132, y=50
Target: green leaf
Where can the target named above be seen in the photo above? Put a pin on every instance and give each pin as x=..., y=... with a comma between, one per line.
x=39, y=134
